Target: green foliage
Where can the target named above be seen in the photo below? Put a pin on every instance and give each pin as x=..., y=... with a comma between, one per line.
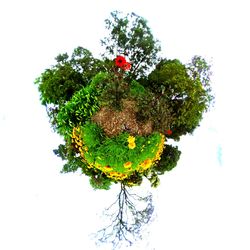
x=133, y=180
x=58, y=84
x=136, y=89
x=151, y=107
x=52, y=112
x=81, y=106
x=168, y=161
x=100, y=181
x=153, y=178
x=66, y=152
x=92, y=135
x=144, y=100
x=185, y=95
x=130, y=36
x=113, y=91
x=72, y=165
x=199, y=70
x=61, y=151
x=114, y=151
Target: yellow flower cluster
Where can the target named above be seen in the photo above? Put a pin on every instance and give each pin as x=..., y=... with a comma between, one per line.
x=128, y=165
x=108, y=170
x=77, y=141
x=117, y=176
x=110, y=173
x=145, y=165
x=131, y=142
x=160, y=149
x=149, y=162
x=104, y=169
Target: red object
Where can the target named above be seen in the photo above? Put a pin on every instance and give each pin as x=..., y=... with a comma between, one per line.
x=126, y=66
x=120, y=61
x=169, y=132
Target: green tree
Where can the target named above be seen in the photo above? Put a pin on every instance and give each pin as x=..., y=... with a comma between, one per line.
x=130, y=35
x=60, y=82
x=185, y=89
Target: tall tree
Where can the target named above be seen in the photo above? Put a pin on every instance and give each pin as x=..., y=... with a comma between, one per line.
x=130, y=35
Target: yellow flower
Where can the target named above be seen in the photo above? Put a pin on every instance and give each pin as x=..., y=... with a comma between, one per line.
x=127, y=164
x=160, y=149
x=131, y=139
x=108, y=168
x=147, y=163
x=131, y=142
x=90, y=165
x=131, y=145
x=116, y=176
x=97, y=165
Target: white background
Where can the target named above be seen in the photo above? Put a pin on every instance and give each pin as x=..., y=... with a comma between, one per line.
x=202, y=204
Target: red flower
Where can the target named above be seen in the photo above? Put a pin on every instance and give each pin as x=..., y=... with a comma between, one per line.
x=120, y=61
x=126, y=66
x=169, y=132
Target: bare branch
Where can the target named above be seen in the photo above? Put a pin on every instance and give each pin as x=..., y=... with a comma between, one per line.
x=127, y=221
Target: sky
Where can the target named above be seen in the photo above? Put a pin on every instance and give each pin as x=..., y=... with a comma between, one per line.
x=202, y=204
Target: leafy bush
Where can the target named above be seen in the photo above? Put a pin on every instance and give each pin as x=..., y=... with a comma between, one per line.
x=100, y=181
x=168, y=161
x=59, y=83
x=81, y=106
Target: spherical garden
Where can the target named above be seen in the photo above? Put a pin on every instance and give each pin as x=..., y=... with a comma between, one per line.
x=118, y=114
